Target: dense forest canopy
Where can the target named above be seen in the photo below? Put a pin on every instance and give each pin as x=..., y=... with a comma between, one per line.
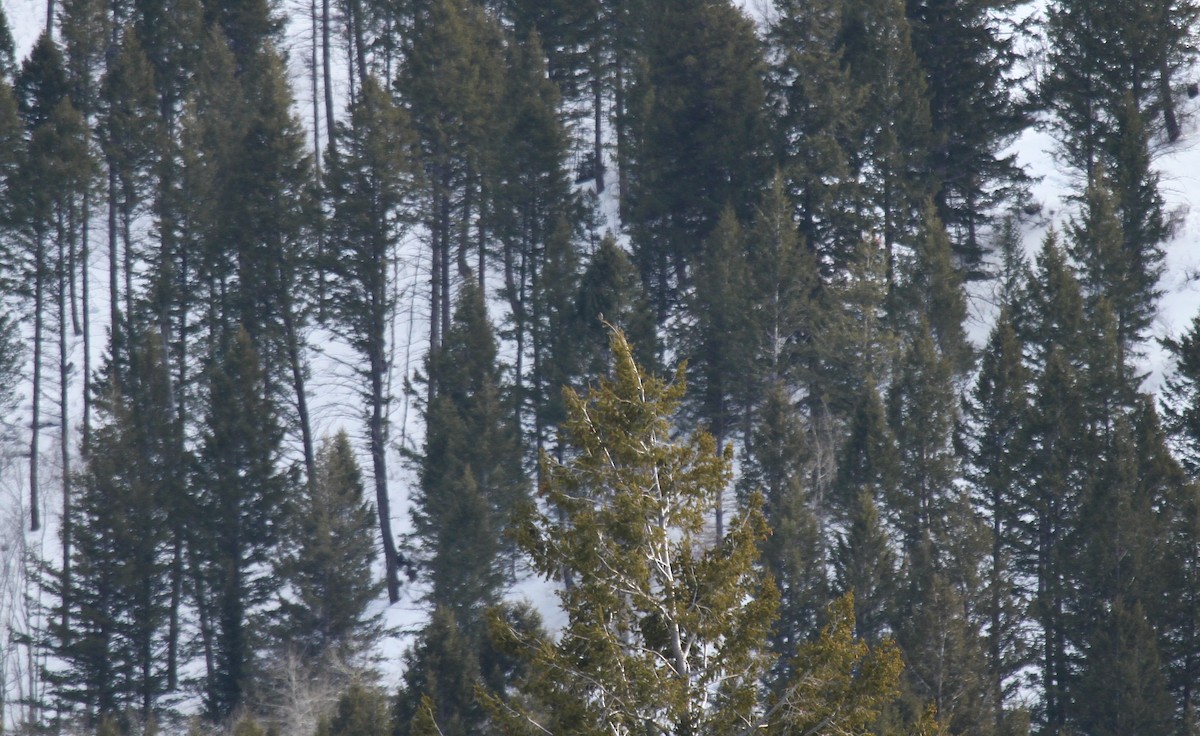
x=484, y=230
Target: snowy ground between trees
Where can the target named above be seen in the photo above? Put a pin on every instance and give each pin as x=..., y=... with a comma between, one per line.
x=336, y=406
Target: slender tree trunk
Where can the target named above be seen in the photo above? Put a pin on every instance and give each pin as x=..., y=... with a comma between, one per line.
x=114, y=259
x=298, y=384
x=314, y=78
x=173, y=612
x=378, y=432
x=598, y=112
x=39, y=296
x=1170, y=120
x=327, y=68
x=65, y=235
x=85, y=253
x=205, y=616
x=445, y=275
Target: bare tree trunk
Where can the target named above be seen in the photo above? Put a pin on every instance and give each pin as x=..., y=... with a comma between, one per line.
x=64, y=263
x=85, y=253
x=39, y=296
x=298, y=384
x=1168, y=102
x=378, y=442
x=327, y=68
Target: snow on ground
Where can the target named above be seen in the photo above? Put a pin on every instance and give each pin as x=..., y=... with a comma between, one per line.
x=335, y=404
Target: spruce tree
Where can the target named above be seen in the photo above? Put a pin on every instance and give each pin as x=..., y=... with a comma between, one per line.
x=895, y=133
x=698, y=136
x=969, y=60
x=777, y=461
x=857, y=342
x=922, y=411
x=1181, y=398
x=8, y=54
x=470, y=476
x=1123, y=273
x=1102, y=52
x=369, y=181
x=817, y=105
x=864, y=566
x=1062, y=450
x=535, y=217
x=361, y=711
x=118, y=591
x=720, y=343
x=440, y=680
x=328, y=562
x=932, y=292
x=132, y=140
x=241, y=496
x=785, y=314
x=450, y=85
x=610, y=291
x=996, y=414
x=1122, y=688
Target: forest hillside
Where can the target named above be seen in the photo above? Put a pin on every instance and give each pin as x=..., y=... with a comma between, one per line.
x=599, y=367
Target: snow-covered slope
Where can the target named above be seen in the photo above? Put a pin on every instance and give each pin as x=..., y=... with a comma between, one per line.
x=335, y=404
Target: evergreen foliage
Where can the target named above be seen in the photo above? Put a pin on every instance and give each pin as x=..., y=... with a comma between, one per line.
x=328, y=562
x=117, y=593
x=969, y=59
x=665, y=630
x=697, y=137
x=240, y=504
x=470, y=476
x=516, y=176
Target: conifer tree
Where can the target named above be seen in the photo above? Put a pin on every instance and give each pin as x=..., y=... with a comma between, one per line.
x=817, y=105
x=1122, y=688
x=865, y=567
x=450, y=85
x=368, y=180
x=720, y=343
x=328, y=562
x=893, y=150
x=968, y=57
x=534, y=216
x=857, y=343
x=1123, y=273
x=41, y=83
x=1052, y=315
x=777, y=460
x=8, y=54
x=470, y=476
x=1056, y=470
x=610, y=291
x=241, y=497
x=1102, y=52
x=46, y=191
x=1180, y=625
x=869, y=459
x=132, y=140
x=698, y=136
x=785, y=312
x=997, y=412
x=933, y=293
x=361, y=711
x=440, y=680
x=665, y=633
x=943, y=650
x=118, y=589
x=1181, y=399
x=922, y=411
